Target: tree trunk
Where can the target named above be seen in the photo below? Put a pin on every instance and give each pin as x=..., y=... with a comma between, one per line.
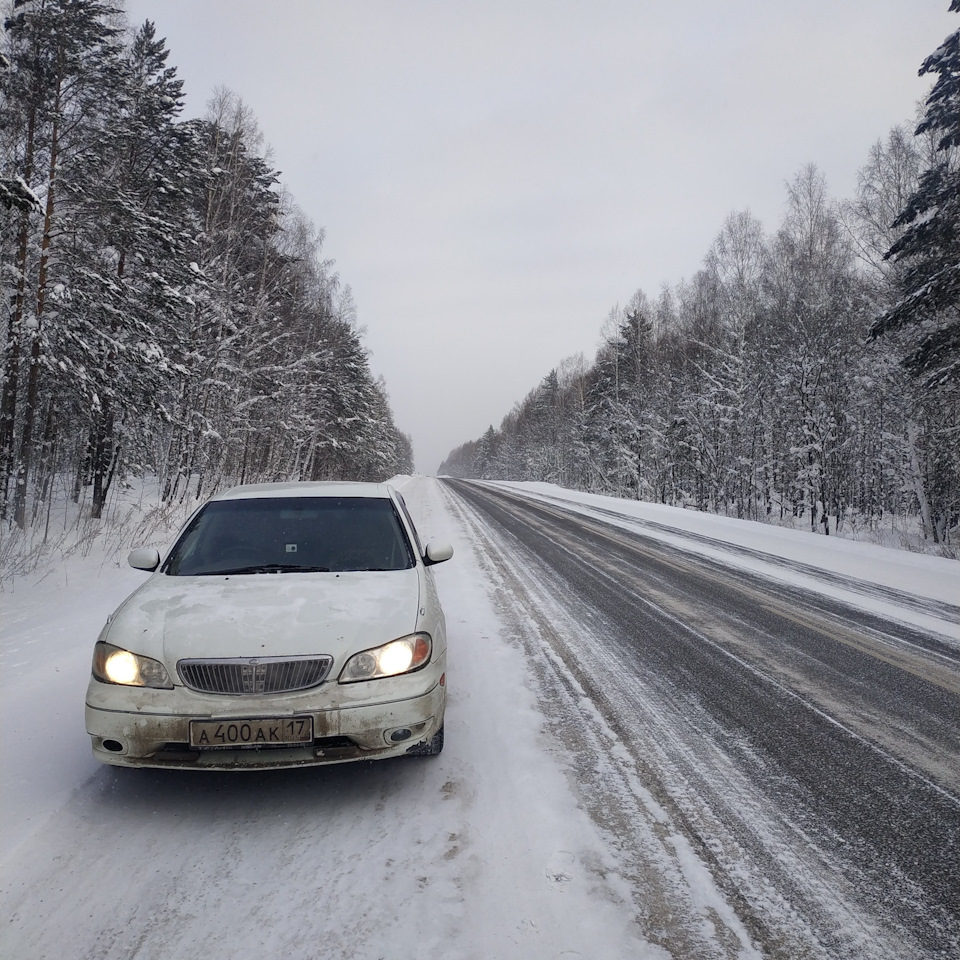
x=105, y=452
x=11, y=360
x=33, y=375
x=919, y=488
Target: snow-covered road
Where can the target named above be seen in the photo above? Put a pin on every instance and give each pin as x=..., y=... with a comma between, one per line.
x=536, y=834
x=808, y=749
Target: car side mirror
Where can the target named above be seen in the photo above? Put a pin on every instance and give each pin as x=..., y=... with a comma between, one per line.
x=144, y=558
x=437, y=553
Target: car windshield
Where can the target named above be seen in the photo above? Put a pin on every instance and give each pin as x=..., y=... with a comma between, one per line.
x=291, y=535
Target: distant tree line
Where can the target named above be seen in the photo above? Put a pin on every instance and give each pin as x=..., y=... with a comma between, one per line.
x=813, y=373
x=168, y=309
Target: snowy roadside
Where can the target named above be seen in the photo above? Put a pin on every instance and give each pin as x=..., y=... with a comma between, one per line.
x=54, y=604
x=866, y=576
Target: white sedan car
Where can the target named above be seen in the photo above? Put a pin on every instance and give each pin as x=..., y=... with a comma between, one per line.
x=290, y=624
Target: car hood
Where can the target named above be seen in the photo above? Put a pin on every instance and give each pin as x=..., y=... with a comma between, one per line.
x=266, y=615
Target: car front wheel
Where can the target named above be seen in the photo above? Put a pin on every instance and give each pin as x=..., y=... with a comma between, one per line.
x=431, y=748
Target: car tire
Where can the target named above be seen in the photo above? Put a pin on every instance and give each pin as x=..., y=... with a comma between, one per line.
x=431, y=748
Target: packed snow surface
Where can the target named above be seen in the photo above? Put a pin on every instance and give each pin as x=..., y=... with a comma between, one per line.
x=484, y=852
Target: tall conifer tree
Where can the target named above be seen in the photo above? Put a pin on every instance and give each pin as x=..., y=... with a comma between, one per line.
x=927, y=315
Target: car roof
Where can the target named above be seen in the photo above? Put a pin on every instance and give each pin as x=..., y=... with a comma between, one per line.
x=306, y=488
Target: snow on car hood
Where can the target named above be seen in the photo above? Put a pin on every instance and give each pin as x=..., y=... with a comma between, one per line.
x=266, y=615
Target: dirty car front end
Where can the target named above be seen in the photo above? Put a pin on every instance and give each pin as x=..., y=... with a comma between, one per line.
x=292, y=624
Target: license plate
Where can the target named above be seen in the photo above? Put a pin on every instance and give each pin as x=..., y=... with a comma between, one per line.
x=251, y=733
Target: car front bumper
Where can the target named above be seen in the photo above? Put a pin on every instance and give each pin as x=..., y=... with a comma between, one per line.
x=134, y=727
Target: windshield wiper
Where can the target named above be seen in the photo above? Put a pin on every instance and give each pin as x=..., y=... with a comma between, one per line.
x=271, y=568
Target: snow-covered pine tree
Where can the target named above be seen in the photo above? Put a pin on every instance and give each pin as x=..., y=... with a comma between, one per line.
x=927, y=313
x=572, y=374
x=547, y=427
x=818, y=319
x=618, y=401
x=130, y=199
x=701, y=451
x=485, y=454
x=230, y=331
x=61, y=59
x=924, y=320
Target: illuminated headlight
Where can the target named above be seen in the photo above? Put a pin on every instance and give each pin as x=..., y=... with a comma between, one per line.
x=115, y=665
x=399, y=656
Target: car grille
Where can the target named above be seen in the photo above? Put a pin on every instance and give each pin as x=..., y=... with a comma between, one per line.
x=252, y=677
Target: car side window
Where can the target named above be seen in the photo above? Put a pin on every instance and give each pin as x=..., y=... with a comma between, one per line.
x=185, y=552
x=410, y=524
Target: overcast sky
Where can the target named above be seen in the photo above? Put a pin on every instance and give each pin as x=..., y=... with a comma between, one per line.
x=494, y=175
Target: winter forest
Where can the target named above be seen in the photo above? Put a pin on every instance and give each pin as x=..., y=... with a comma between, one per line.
x=811, y=375
x=170, y=310
x=171, y=313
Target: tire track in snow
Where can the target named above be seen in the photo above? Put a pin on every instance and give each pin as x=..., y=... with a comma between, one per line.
x=677, y=903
